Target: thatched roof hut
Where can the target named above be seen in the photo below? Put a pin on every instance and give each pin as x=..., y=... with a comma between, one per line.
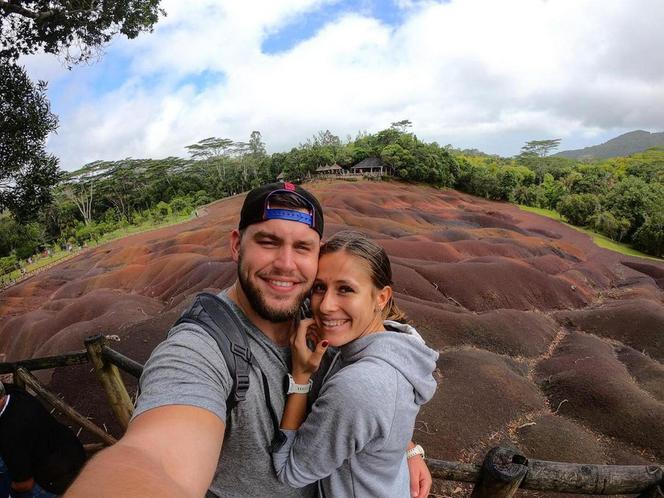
x=371, y=166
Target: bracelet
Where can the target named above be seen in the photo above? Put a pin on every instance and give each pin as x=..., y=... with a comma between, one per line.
x=417, y=450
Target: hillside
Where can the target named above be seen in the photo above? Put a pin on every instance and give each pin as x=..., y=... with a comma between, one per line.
x=623, y=145
x=547, y=342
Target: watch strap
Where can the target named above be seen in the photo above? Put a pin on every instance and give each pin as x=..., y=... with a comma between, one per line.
x=294, y=388
x=417, y=450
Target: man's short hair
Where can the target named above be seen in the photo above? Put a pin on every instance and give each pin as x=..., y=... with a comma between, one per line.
x=285, y=201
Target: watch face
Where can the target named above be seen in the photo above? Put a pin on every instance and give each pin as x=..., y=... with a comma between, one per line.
x=287, y=383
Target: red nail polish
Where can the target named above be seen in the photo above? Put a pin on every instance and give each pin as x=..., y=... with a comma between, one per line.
x=324, y=344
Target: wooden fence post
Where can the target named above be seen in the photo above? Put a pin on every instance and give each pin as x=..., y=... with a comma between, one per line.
x=109, y=376
x=18, y=380
x=31, y=381
x=501, y=474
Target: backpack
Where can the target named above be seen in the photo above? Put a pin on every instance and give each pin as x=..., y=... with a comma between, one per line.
x=216, y=317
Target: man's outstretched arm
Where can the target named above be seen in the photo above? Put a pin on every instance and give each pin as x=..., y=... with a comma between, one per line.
x=167, y=451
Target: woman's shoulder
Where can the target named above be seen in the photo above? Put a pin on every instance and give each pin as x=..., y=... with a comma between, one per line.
x=367, y=378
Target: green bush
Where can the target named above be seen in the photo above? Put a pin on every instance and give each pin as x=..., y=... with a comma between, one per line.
x=87, y=233
x=201, y=197
x=181, y=205
x=8, y=264
x=632, y=198
x=650, y=236
x=532, y=195
x=578, y=208
x=161, y=211
x=606, y=223
x=553, y=190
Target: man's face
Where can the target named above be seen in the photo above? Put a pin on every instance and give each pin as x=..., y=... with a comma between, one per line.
x=277, y=263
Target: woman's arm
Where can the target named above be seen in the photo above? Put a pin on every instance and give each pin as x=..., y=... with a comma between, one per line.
x=304, y=363
x=350, y=413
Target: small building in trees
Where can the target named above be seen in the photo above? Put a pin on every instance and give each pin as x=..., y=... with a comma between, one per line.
x=371, y=166
x=330, y=171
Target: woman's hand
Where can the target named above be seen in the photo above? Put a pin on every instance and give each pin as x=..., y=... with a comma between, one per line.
x=305, y=361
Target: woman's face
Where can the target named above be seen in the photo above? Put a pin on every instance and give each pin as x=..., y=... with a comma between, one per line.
x=345, y=303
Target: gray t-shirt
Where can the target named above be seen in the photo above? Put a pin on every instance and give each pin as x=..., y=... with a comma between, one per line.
x=188, y=369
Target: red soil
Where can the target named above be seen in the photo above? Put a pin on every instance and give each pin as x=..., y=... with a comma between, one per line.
x=548, y=342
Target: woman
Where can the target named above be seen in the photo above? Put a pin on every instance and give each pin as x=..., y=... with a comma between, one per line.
x=355, y=437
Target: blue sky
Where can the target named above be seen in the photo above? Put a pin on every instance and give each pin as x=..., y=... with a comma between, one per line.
x=480, y=74
x=305, y=26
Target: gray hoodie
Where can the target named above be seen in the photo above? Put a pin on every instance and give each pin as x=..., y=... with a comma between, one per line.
x=354, y=440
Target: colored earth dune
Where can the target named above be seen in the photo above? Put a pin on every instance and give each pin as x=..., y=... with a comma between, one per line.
x=548, y=343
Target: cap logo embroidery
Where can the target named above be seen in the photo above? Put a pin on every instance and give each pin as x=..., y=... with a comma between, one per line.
x=289, y=186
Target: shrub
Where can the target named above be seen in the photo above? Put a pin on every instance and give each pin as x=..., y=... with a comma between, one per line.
x=181, y=205
x=532, y=195
x=578, y=208
x=161, y=211
x=606, y=223
x=8, y=264
x=650, y=236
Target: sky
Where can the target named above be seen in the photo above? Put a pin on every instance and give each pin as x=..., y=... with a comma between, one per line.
x=484, y=74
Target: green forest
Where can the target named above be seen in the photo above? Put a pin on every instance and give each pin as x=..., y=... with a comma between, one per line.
x=622, y=198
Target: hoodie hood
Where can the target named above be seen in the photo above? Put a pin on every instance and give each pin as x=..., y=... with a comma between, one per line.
x=403, y=348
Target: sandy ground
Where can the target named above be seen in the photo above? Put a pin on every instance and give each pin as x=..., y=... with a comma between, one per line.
x=548, y=343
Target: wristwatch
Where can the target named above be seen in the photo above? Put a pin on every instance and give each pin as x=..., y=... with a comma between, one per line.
x=416, y=450
x=293, y=388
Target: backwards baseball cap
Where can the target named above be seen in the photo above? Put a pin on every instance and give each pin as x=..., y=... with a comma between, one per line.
x=258, y=207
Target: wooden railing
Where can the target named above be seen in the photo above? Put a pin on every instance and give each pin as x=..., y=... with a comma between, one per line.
x=502, y=473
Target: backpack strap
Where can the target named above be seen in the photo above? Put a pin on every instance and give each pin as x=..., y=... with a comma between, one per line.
x=216, y=317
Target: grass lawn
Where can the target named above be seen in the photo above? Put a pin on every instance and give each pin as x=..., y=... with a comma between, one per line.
x=598, y=239
x=58, y=254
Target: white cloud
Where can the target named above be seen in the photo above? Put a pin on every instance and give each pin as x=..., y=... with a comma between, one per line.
x=474, y=73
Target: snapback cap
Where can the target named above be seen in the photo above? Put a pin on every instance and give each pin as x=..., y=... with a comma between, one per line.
x=257, y=207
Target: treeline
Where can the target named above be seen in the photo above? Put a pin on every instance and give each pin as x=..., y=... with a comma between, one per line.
x=104, y=196
x=622, y=198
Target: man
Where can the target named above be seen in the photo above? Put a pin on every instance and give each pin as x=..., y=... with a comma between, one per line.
x=173, y=446
x=38, y=455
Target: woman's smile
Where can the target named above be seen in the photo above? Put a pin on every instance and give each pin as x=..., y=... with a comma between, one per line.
x=344, y=300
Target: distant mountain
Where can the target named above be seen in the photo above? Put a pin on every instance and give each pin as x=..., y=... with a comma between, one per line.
x=624, y=145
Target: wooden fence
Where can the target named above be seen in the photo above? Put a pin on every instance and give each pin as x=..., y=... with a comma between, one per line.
x=502, y=473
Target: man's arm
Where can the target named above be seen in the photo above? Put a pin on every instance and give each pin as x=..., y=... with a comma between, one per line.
x=167, y=451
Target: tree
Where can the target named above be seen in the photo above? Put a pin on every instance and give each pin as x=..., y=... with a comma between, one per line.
x=81, y=195
x=650, y=236
x=605, y=222
x=553, y=190
x=402, y=125
x=540, y=148
x=211, y=147
x=28, y=26
x=52, y=26
x=256, y=145
x=578, y=208
x=27, y=172
x=632, y=198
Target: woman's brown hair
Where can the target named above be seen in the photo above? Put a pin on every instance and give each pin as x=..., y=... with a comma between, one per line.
x=359, y=245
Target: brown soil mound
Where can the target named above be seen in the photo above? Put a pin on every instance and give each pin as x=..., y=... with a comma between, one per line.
x=482, y=284
x=587, y=382
x=638, y=323
x=479, y=393
x=648, y=373
x=508, y=297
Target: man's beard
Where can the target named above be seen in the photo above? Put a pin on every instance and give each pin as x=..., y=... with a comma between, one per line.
x=259, y=305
